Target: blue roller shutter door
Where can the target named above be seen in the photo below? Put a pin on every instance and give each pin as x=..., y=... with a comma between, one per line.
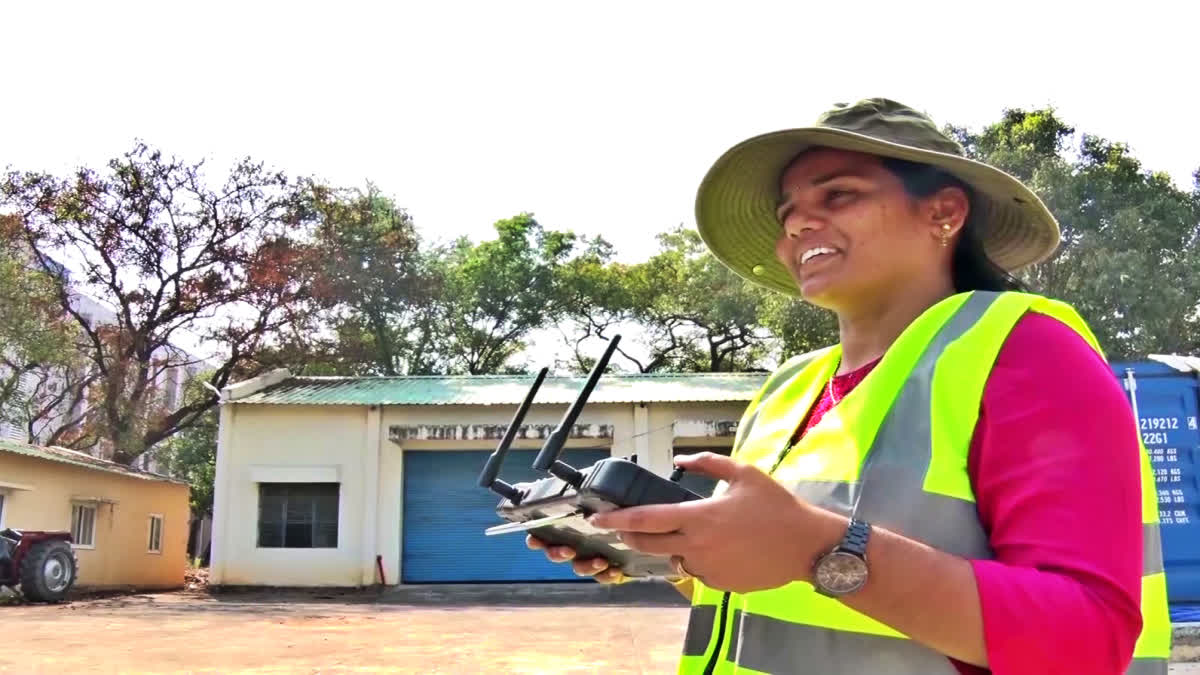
x=446, y=513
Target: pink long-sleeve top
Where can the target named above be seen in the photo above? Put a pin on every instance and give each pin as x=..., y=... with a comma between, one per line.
x=1054, y=463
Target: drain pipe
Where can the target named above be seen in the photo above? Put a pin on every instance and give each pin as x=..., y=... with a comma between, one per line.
x=1131, y=385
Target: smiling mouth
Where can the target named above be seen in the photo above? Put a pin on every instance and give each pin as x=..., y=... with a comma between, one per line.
x=816, y=253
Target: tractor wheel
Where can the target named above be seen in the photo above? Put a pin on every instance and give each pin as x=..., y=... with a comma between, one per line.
x=48, y=571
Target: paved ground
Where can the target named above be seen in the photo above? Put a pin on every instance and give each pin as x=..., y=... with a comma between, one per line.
x=562, y=629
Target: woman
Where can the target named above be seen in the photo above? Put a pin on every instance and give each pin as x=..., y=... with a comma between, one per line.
x=957, y=486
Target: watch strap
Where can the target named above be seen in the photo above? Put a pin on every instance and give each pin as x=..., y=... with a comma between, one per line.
x=855, y=540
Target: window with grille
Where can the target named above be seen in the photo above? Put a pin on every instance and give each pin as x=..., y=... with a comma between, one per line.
x=83, y=524
x=298, y=515
x=155, y=543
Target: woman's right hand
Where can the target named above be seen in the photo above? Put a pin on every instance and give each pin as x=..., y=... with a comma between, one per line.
x=598, y=568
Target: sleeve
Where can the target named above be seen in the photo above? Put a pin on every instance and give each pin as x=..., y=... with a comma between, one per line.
x=1055, y=465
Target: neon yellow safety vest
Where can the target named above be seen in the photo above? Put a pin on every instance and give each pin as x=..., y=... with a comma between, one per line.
x=895, y=448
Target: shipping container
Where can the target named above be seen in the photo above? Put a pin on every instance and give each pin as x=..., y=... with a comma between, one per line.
x=1164, y=393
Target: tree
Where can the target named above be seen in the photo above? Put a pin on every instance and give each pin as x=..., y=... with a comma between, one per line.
x=36, y=337
x=376, y=284
x=493, y=295
x=171, y=255
x=1131, y=239
x=693, y=313
x=797, y=325
x=191, y=454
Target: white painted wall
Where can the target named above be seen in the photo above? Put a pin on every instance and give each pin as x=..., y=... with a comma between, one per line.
x=288, y=442
x=354, y=440
x=662, y=418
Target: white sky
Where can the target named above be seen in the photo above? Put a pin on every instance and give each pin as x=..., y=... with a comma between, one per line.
x=597, y=117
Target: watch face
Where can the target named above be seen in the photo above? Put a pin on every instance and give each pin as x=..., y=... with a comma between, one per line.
x=839, y=573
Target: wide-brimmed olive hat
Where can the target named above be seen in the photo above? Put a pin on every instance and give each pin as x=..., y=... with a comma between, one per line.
x=735, y=205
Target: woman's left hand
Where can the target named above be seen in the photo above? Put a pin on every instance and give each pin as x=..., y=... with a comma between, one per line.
x=755, y=535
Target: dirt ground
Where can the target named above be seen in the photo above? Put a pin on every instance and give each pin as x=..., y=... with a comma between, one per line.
x=532, y=629
x=314, y=632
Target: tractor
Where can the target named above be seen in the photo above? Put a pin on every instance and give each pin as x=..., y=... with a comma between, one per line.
x=42, y=564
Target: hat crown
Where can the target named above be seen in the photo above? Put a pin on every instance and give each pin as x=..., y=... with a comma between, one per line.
x=890, y=121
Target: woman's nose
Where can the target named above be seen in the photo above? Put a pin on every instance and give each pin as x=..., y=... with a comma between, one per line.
x=797, y=222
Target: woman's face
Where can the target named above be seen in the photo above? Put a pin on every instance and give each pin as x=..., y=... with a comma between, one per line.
x=851, y=235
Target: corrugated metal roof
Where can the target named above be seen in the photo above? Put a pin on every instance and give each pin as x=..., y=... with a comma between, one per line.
x=65, y=456
x=507, y=389
x=1179, y=362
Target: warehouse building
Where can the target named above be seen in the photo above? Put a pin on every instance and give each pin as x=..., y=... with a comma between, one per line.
x=357, y=481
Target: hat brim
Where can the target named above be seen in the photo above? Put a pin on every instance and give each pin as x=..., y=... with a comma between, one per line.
x=736, y=201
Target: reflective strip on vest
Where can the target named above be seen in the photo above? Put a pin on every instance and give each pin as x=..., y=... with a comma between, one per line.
x=1152, y=558
x=792, y=628
x=850, y=653
x=840, y=653
x=699, y=630
x=1148, y=666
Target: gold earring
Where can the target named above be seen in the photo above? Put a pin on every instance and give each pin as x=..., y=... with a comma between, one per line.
x=945, y=234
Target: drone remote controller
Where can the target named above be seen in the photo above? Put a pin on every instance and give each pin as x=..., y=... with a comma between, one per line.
x=555, y=509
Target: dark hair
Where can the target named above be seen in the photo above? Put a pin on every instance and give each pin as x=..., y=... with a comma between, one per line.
x=970, y=268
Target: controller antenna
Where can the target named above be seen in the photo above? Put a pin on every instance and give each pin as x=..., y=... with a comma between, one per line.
x=547, y=459
x=488, y=478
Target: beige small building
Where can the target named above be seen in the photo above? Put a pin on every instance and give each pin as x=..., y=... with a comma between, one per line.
x=357, y=481
x=129, y=527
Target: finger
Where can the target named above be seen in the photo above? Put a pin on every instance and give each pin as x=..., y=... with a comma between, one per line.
x=711, y=464
x=653, y=518
x=612, y=575
x=656, y=544
x=590, y=567
x=561, y=553
x=554, y=553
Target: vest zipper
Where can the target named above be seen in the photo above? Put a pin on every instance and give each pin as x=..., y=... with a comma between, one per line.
x=712, y=660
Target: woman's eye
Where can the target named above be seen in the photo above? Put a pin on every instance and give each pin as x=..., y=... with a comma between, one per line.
x=838, y=196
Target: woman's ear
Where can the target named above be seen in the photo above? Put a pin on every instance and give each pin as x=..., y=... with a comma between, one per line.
x=948, y=206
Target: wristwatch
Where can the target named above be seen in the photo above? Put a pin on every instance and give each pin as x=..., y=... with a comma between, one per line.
x=844, y=569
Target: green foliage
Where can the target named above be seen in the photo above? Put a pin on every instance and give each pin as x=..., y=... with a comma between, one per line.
x=798, y=326
x=191, y=454
x=375, y=283
x=496, y=293
x=36, y=337
x=1130, y=253
x=691, y=313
